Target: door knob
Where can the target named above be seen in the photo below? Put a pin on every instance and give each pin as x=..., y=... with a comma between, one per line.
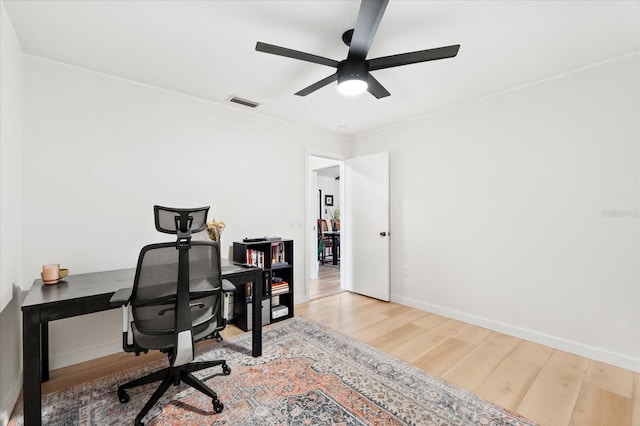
x=383, y=234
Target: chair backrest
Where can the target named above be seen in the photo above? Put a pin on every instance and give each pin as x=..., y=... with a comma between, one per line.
x=322, y=225
x=164, y=304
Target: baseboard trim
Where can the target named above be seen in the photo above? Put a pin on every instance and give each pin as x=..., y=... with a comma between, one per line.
x=10, y=401
x=574, y=347
x=70, y=358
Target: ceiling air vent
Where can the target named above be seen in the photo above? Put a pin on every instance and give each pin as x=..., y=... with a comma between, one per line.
x=245, y=102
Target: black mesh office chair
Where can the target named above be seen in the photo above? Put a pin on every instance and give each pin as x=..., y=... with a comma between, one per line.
x=176, y=300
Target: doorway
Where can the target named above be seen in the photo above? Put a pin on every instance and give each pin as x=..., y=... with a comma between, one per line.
x=364, y=234
x=325, y=197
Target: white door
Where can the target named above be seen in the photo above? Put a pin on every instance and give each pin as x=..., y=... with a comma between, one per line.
x=366, y=225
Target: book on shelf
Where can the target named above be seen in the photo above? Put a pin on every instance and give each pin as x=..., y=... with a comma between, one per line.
x=248, y=292
x=278, y=254
x=255, y=258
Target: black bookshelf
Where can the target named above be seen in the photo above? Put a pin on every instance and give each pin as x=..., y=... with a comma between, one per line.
x=276, y=260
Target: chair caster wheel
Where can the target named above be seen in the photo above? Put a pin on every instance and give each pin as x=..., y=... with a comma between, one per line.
x=217, y=406
x=123, y=397
x=226, y=370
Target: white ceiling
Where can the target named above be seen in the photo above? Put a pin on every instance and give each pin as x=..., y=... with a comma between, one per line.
x=206, y=49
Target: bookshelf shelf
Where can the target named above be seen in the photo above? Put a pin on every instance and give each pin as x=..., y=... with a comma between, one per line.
x=276, y=260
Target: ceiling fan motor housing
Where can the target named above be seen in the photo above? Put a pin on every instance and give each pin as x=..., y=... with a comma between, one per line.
x=352, y=70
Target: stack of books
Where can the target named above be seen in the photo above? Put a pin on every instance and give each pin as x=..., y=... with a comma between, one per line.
x=279, y=288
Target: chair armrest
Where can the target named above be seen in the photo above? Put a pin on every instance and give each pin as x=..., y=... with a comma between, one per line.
x=228, y=287
x=120, y=297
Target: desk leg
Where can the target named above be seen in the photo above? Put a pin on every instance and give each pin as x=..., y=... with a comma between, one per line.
x=256, y=321
x=334, y=250
x=44, y=351
x=31, y=363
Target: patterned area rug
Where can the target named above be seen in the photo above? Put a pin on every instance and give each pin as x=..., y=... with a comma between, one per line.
x=308, y=375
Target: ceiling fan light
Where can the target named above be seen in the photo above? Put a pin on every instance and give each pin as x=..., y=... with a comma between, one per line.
x=352, y=77
x=352, y=87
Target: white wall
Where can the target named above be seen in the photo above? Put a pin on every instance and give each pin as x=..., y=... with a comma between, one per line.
x=10, y=160
x=10, y=216
x=100, y=152
x=519, y=212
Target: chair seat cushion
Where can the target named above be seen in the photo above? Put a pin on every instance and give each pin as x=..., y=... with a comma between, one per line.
x=164, y=342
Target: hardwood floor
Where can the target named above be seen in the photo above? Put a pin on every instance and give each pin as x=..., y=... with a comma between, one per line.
x=327, y=283
x=548, y=386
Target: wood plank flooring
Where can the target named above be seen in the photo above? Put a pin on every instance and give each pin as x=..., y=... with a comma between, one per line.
x=327, y=283
x=548, y=386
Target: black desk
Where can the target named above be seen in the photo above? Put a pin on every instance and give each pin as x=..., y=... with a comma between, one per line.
x=335, y=245
x=85, y=294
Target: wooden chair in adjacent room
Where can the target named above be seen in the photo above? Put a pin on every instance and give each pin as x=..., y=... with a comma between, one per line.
x=325, y=242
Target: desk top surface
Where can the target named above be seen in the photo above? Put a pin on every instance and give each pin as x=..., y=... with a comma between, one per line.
x=98, y=284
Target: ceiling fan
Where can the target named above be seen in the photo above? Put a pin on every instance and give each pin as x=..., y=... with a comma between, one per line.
x=353, y=73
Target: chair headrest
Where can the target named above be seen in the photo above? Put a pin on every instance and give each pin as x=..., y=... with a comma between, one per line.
x=170, y=220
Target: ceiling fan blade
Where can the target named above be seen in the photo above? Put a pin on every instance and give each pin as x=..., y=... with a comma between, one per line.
x=375, y=88
x=318, y=85
x=294, y=54
x=369, y=18
x=413, y=57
